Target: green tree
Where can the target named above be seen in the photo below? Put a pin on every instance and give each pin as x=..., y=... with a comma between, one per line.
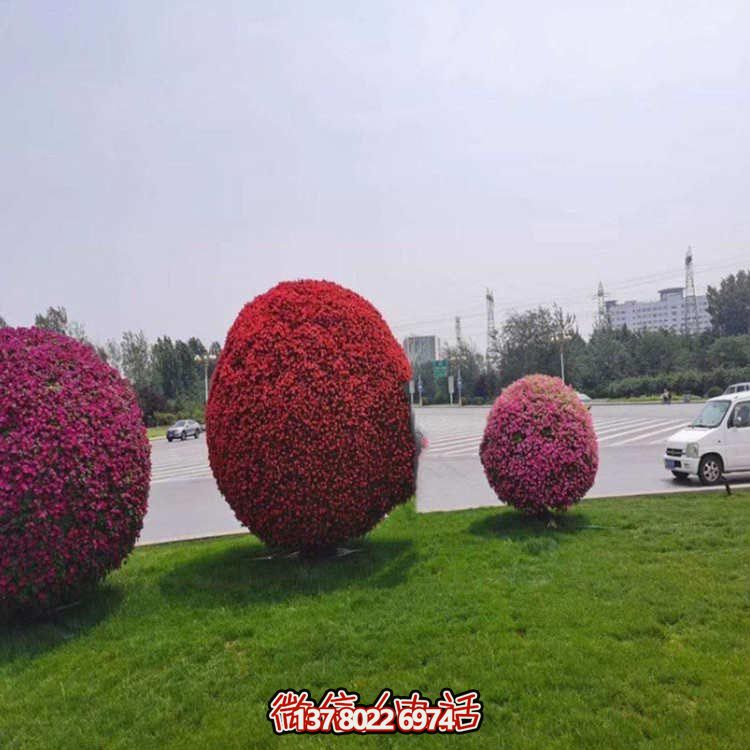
x=729, y=305
x=165, y=367
x=196, y=346
x=136, y=359
x=3, y=324
x=112, y=353
x=530, y=342
x=465, y=357
x=187, y=368
x=730, y=351
x=55, y=319
x=607, y=357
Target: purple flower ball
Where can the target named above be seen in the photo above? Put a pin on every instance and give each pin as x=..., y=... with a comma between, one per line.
x=74, y=469
x=539, y=449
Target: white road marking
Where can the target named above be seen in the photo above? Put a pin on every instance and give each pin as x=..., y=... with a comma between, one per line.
x=640, y=428
x=671, y=428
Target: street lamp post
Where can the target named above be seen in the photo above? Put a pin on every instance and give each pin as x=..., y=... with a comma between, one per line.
x=204, y=359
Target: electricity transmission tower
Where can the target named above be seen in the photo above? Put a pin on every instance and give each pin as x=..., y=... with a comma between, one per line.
x=691, y=324
x=602, y=315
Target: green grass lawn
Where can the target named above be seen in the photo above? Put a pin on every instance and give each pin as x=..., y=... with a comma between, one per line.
x=627, y=626
x=156, y=432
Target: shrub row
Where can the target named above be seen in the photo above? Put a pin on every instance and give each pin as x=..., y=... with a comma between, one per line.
x=708, y=383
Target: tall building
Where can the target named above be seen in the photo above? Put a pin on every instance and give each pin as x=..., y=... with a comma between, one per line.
x=666, y=313
x=420, y=349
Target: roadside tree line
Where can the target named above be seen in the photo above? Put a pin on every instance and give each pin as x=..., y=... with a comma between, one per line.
x=613, y=362
x=168, y=381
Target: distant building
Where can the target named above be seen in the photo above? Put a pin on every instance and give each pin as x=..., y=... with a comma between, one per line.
x=420, y=349
x=666, y=313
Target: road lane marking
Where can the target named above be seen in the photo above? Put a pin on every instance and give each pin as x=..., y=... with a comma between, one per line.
x=671, y=428
x=639, y=428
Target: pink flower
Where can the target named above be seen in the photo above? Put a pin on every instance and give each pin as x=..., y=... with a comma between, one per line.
x=539, y=449
x=74, y=469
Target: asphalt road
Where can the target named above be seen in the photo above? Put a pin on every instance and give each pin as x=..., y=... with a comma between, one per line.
x=185, y=503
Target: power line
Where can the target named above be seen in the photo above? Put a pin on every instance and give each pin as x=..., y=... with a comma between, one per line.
x=630, y=283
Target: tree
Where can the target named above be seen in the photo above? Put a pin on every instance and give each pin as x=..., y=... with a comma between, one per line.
x=528, y=344
x=3, y=324
x=607, y=358
x=729, y=305
x=466, y=358
x=165, y=367
x=56, y=319
x=136, y=359
x=730, y=351
x=77, y=331
x=112, y=354
x=196, y=346
x=186, y=367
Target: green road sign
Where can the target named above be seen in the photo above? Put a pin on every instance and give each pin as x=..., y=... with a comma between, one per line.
x=440, y=368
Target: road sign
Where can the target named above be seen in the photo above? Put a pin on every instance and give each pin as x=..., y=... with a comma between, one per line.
x=440, y=368
x=411, y=387
x=450, y=383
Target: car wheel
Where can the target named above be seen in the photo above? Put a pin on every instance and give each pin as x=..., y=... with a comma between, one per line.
x=169, y=439
x=681, y=475
x=183, y=436
x=197, y=434
x=710, y=469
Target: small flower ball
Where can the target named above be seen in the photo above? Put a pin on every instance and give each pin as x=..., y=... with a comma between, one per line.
x=308, y=423
x=539, y=449
x=74, y=469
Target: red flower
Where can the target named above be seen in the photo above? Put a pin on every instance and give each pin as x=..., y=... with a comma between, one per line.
x=309, y=429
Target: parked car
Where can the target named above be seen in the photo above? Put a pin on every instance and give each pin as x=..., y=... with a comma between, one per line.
x=182, y=429
x=716, y=443
x=585, y=400
x=737, y=388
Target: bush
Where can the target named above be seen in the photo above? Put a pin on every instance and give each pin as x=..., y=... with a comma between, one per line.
x=312, y=385
x=74, y=469
x=539, y=449
x=714, y=391
x=162, y=418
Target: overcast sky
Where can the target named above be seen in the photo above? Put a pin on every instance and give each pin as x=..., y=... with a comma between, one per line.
x=163, y=163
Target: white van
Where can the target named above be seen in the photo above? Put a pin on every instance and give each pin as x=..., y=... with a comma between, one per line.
x=716, y=443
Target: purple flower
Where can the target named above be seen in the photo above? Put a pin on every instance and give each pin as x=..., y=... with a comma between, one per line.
x=539, y=449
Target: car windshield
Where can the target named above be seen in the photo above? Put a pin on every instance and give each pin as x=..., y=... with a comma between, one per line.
x=181, y=423
x=712, y=414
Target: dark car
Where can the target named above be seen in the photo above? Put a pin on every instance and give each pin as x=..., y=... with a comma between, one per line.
x=183, y=429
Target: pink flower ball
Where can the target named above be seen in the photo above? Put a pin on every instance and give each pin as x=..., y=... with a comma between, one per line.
x=74, y=469
x=539, y=449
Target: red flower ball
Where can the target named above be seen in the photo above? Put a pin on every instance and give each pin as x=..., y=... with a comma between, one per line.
x=539, y=449
x=309, y=423
x=74, y=469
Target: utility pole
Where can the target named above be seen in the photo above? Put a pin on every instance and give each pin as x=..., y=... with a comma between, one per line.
x=691, y=323
x=458, y=331
x=562, y=360
x=491, y=330
x=204, y=359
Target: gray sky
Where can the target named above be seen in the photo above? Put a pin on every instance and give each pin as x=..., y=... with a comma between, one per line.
x=163, y=163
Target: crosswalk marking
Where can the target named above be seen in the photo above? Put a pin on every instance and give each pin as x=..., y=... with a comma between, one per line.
x=643, y=427
x=610, y=432
x=445, y=442
x=671, y=428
